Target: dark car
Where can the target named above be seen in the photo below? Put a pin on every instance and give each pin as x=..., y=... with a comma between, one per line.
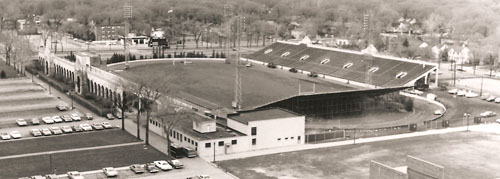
x=136, y=168
x=175, y=163
x=293, y=70
x=151, y=168
x=312, y=74
x=110, y=116
x=66, y=118
x=77, y=128
x=271, y=65
x=89, y=116
x=97, y=126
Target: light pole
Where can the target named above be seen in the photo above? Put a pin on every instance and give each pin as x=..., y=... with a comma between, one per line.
x=354, y=136
x=481, y=91
x=466, y=115
x=214, y=152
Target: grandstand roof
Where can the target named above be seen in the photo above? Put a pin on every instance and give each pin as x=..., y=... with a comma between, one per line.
x=344, y=64
x=262, y=114
x=211, y=84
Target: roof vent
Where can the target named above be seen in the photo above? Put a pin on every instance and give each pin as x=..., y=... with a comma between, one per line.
x=401, y=74
x=305, y=57
x=268, y=51
x=285, y=54
x=347, y=65
x=325, y=61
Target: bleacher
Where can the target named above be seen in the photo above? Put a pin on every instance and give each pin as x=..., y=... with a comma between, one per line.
x=385, y=76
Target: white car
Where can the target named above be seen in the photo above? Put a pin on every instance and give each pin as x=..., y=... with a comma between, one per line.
x=453, y=91
x=461, y=93
x=4, y=136
x=76, y=117
x=485, y=96
x=48, y=120
x=488, y=114
x=86, y=127
x=110, y=172
x=497, y=100
x=15, y=134
x=438, y=112
x=75, y=175
x=471, y=94
x=21, y=122
x=66, y=129
x=57, y=119
x=163, y=165
x=498, y=120
x=106, y=125
x=491, y=98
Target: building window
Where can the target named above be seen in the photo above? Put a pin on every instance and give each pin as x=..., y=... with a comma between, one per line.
x=291, y=137
x=279, y=139
x=254, y=141
x=180, y=137
x=221, y=143
x=192, y=142
x=298, y=137
x=185, y=138
x=207, y=145
x=254, y=130
x=286, y=138
x=196, y=144
x=234, y=142
x=189, y=140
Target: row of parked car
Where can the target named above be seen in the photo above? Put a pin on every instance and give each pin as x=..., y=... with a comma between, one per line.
x=67, y=129
x=55, y=119
x=470, y=94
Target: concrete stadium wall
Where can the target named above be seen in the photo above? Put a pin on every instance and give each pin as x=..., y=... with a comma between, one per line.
x=166, y=60
x=421, y=169
x=427, y=100
x=381, y=171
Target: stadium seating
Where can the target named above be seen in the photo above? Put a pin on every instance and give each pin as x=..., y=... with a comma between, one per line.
x=337, y=59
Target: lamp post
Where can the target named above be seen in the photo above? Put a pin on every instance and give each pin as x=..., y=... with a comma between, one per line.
x=214, y=152
x=481, y=91
x=354, y=135
x=466, y=115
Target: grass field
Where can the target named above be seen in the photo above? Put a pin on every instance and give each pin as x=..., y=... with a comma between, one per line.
x=80, y=161
x=9, y=70
x=464, y=156
x=213, y=82
x=77, y=140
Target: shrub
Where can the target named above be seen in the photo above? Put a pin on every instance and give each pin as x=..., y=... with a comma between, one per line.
x=3, y=75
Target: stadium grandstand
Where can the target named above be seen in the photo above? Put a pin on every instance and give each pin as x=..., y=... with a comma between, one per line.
x=375, y=71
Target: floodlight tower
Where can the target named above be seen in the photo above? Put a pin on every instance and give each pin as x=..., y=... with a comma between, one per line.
x=127, y=15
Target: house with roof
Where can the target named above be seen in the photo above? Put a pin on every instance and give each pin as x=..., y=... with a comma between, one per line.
x=243, y=131
x=460, y=54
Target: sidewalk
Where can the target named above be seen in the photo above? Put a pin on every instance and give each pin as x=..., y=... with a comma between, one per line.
x=478, y=128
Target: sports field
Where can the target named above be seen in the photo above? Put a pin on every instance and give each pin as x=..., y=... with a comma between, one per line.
x=212, y=83
x=464, y=155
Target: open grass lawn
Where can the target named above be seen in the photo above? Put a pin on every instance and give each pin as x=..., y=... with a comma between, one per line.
x=79, y=161
x=464, y=156
x=214, y=82
x=77, y=140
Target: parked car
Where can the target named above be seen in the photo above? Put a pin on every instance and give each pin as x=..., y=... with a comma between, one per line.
x=271, y=65
x=498, y=121
x=35, y=132
x=110, y=172
x=110, y=116
x=35, y=121
x=62, y=107
x=175, y=163
x=293, y=70
x=471, y=94
x=491, y=98
x=106, y=125
x=57, y=119
x=453, y=91
x=4, y=136
x=15, y=134
x=151, y=168
x=312, y=74
x=75, y=175
x=47, y=120
x=66, y=118
x=438, y=112
x=200, y=177
x=46, y=132
x=497, y=100
x=163, y=165
x=118, y=115
x=86, y=127
x=66, y=129
x=56, y=130
x=485, y=96
x=248, y=64
x=77, y=128
x=89, y=116
x=488, y=114
x=51, y=176
x=97, y=126
x=136, y=168
x=76, y=117
x=37, y=177
x=189, y=152
x=21, y=122
x=461, y=93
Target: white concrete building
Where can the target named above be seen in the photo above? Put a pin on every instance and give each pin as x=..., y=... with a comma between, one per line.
x=244, y=131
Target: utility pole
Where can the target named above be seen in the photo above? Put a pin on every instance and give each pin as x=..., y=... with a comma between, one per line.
x=481, y=91
x=127, y=14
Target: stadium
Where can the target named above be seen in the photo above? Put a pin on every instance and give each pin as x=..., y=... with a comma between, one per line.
x=347, y=82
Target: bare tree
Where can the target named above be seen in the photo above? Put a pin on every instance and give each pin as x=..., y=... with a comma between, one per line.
x=169, y=117
x=7, y=38
x=125, y=102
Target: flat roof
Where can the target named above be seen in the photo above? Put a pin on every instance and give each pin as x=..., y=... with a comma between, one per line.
x=186, y=126
x=261, y=114
x=211, y=84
